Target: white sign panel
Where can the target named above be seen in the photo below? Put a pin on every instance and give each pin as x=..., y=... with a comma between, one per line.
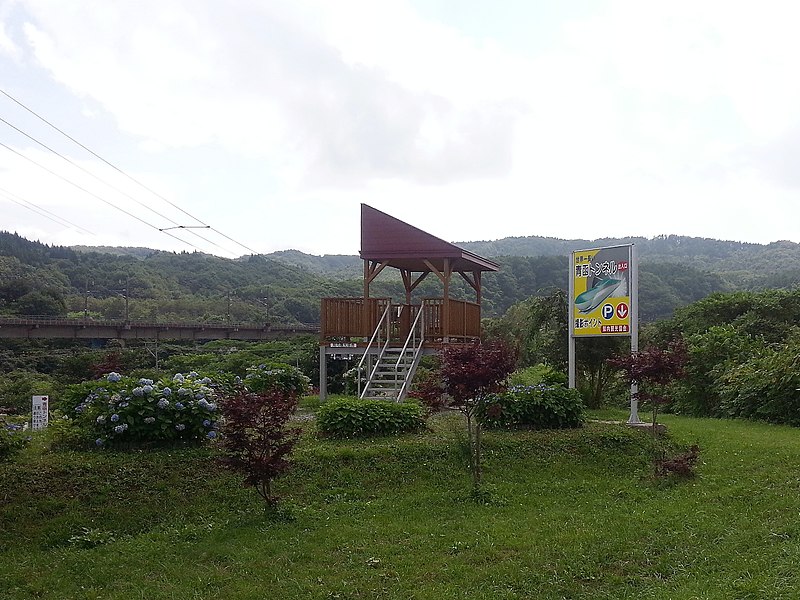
x=39, y=412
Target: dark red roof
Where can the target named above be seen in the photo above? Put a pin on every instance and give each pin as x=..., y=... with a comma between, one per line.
x=384, y=237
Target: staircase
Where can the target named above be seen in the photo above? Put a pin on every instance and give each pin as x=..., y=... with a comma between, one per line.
x=389, y=374
x=392, y=374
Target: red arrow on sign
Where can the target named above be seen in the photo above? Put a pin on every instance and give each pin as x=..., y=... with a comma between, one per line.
x=622, y=310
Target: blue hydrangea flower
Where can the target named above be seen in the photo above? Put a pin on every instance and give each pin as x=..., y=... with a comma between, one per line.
x=120, y=428
x=194, y=374
x=149, y=420
x=206, y=423
x=144, y=381
x=113, y=377
x=115, y=417
x=137, y=391
x=101, y=419
x=163, y=403
x=147, y=389
x=98, y=442
x=166, y=391
x=211, y=434
x=184, y=392
x=179, y=406
x=123, y=404
x=180, y=426
x=178, y=378
x=203, y=403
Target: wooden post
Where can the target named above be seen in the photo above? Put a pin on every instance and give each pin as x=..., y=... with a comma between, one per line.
x=446, y=305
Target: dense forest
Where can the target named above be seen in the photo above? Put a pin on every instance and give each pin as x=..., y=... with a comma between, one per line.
x=735, y=304
x=285, y=287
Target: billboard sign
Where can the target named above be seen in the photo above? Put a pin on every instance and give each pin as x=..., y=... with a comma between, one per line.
x=600, y=292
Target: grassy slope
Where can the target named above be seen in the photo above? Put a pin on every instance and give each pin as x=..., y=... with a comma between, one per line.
x=571, y=517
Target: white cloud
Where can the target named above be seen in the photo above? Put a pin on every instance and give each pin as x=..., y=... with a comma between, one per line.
x=274, y=119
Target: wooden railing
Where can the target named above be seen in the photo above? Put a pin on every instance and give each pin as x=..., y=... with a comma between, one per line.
x=357, y=317
x=350, y=317
x=451, y=318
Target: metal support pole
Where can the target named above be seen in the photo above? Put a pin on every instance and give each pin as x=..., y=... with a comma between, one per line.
x=570, y=317
x=634, y=283
x=323, y=374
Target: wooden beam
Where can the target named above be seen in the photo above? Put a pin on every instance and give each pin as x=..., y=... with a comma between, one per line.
x=375, y=268
x=436, y=271
x=471, y=281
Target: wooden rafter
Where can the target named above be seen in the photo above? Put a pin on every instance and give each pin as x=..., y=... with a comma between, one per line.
x=442, y=275
x=474, y=282
x=374, y=268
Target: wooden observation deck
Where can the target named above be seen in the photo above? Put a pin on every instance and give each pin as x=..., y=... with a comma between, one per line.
x=374, y=327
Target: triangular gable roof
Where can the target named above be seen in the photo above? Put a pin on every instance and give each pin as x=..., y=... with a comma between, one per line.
x=403, y=246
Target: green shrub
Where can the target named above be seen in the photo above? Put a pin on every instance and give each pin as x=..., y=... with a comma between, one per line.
x=277, y=377
x=535, y=406
x=13, y=436
x=537, y=374
x=765, y=387
x=350, y=417
x=126, y=412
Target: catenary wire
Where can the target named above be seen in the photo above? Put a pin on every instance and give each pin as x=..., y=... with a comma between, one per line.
x=136, y=181
x=115, y=188
x=72, y=183
x=41, y=211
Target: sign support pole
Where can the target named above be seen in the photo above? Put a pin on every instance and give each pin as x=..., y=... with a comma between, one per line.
x=634, y=266
x=570, y=317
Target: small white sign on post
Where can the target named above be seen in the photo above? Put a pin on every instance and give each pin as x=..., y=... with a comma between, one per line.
x=39, y=412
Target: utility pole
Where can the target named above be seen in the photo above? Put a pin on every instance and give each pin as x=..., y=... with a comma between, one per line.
x=127, y=284
x=86, y=299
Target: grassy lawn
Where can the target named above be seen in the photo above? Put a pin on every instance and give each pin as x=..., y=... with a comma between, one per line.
x=570, y=514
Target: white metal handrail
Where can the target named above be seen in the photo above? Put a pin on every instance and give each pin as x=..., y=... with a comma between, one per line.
x=375, y=336
x=416, y=343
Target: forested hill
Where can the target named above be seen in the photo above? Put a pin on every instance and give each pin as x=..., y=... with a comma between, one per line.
x=285, y=287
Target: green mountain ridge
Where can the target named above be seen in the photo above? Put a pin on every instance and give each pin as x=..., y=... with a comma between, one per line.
x=285, y=287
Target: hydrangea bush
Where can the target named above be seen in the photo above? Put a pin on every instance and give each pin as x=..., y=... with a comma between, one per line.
x=118, y=410
x=277, y=377
x=14, y=436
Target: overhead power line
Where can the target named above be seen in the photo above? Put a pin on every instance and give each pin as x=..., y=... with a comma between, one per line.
x=83, y=189
x=113, y=187
x=41, y=211
x=136, y=181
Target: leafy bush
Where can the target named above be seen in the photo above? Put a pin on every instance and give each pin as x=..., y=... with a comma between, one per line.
x=712, y=354
x=536, y=406
x=429, y=389
x=537, y=374
x=256, y=439
x=122, y=411
x=765, y=387
x=680, y=466
x=13, y=436
x=277, y=376
x=350, y=417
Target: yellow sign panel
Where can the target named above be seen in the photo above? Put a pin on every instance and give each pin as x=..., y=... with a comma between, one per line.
x=601, y=299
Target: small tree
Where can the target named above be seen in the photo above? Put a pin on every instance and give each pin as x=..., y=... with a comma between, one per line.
x=471, y=373
x=256, y=438
x=652, y=369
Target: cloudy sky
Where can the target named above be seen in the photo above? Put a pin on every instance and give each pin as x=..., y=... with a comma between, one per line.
x=271, y=121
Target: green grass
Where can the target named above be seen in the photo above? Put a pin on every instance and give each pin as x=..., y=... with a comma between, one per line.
x=571, y=514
